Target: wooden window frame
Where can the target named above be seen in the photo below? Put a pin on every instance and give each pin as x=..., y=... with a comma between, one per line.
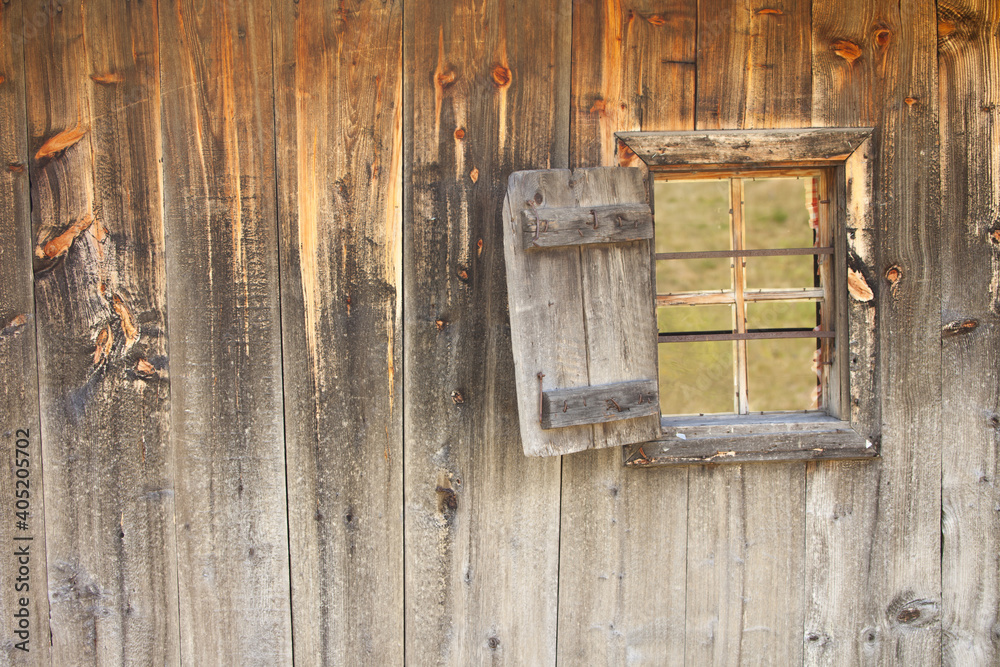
x=849, y=428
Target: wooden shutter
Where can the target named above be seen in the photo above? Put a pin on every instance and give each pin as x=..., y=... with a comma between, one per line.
x=583, y=325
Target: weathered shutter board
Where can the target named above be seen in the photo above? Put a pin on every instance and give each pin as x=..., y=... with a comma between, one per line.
x=597, y=299
x=550, y=227
x=603, y=403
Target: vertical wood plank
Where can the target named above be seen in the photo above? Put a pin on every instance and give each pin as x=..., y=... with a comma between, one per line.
x=227, y=428
x=100, y=296
x=877, y=525
x=633, y=68
x=969, y=60
x=746, y=523
x=338, y=89
x=24, y=625
x=482, y=520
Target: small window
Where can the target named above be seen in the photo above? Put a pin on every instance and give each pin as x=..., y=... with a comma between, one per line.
x=717, y=306
x=742, y=288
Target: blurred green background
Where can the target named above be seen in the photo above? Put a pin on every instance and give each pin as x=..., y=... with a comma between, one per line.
x=697, y=378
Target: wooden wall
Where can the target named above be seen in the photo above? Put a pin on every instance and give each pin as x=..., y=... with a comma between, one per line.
x=253, y=321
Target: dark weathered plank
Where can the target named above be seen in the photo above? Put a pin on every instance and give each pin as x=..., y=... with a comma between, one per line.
x=550, y=227
x=745, y=523
x=484, y=99
x=93, y=117
x=227, y=429
x=24, y=624
x=633, y=68
x=601, y=403
x=969, y=60
x=877, y=525
x=816, y=444
x=338, y=90
x=738, y=147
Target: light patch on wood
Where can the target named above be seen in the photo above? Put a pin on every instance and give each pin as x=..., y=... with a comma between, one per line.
x=609, y=118
x=858, y=286
x=846, y=49
x=444, y=78
x=501, y=78
x=143, y=367
x=61, y=244
x=108, y=79
x=61, y=142
x=393, y=259
x=129, y=329
x=102, y=346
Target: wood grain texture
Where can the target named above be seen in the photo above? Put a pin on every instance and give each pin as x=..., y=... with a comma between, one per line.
x=338, y=93
x=969, y=61
x=760, y=74
x=21, y=476
x=633, y=69
x=227, y=428
x=485, y=94
x=745, y=524
x=878, y=525
x=100, y=299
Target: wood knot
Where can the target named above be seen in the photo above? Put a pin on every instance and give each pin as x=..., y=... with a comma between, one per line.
x=599, y=107
x=463, y=274
x=846, y=49
x=457, y=398
x=15, y=168
x=882, y=37
x=995, y=237
x=444, y=79
x=656, y=20
x=440, y=324
x=474, y=174
x=959, y=327
x=2, y=78
x=493, y=643
x=769, y=10
x=945, y=28
x=109, y=79
x=908, y=615
x=501, y=75
x=893, y=274
x=910, y=101
x=459, y=134
x=479, y=248
x=447, y=498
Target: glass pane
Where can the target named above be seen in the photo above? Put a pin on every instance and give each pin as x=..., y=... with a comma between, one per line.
x=691, y=215
x=695, y=318
x=782, y=374
x=689, y=275
x=696, y=378
x=775, y=213
x=783, y=271
x=781, y=315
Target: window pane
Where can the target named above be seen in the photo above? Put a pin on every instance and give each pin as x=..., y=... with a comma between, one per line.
x=775, y=213
x=688, y=275
x=695, y=318
x=691, y=215
x=782, y=374
x=781, y=315
x=782, y=271
x=696, y=378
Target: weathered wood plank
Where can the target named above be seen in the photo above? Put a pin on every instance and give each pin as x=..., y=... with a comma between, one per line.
x=813, y=444
x=338, y=92
x=24, y=628
x=551, y=227
x=227, y=429
x=877, y=525
x=633, y=69
x=745, y=523
x=740, y=147
x=969, y=60
x=607, y=402
x=94, y=126
x=485, y=97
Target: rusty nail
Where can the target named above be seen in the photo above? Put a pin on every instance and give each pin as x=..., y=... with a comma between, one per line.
x=618, y=220
x=540, y=395
x=565, y=406
x=615, y=403
x=534, y=209
x=594, y=213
